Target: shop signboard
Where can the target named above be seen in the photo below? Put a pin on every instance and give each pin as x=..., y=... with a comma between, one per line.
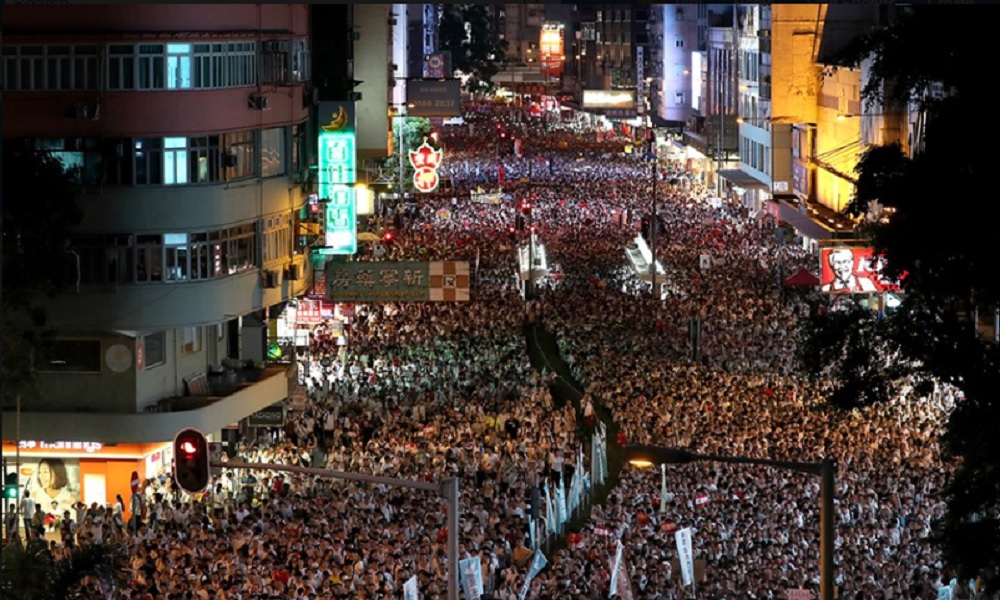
x=272, y=416
x=847, y=270
x=438, y=65
x=337, y=176
x=433, y=98
x=550, y=47
x=481, y=197
x=438, y=281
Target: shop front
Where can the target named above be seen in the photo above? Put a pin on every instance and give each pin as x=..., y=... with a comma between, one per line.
x=57, y=475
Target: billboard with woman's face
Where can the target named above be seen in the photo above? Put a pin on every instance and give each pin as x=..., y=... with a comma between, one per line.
x=53, y=483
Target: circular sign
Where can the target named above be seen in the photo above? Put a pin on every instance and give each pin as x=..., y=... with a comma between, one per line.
x=140, y=355
x=118, y=358
x=435, y=61
x=135, y=482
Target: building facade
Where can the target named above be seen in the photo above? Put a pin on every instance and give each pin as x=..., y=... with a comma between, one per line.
x=188, y=135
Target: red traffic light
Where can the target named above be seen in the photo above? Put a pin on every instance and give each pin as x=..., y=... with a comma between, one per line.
x=192, y=471
x=189, y=449
x=387, y=236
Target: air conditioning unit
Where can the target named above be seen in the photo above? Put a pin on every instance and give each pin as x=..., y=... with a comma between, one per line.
x=88, y=112
x=271, y=279
x=292, y=272
x=229, y=160
x=257, y=102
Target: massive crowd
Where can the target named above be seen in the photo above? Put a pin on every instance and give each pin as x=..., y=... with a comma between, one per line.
x=424, y=391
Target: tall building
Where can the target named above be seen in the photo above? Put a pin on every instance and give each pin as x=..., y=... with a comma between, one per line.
x=680, y=40
x=521, y=26
x=187, y=131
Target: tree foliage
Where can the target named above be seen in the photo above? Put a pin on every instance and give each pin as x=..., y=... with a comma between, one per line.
x=31, y=572
x=416, y=130
x=475, y=45
x=946, y=253
x=39, y=209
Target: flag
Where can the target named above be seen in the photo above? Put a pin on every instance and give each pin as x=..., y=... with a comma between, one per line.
x=701, y=499
x=613, y=588
x=471, y=570
x=595, y=464
x=538, y=562
x=531, y=533
x=663, y=488
x=561, y=502
x=410, y=589
x=550, y=510
x=624, y=583
x=685, y=553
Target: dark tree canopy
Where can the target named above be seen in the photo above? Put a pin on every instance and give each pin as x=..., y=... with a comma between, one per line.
x=476, y=48
x=941, y=235
x=38, y=212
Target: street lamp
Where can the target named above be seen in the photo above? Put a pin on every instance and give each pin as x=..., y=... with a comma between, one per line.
x=647, y=456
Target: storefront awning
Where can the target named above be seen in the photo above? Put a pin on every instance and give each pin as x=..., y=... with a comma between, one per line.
x=743, y=179
x=804, y=224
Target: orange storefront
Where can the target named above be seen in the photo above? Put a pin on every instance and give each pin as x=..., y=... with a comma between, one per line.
x=58, y=474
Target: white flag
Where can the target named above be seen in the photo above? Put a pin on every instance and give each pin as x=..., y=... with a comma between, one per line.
x=613, y=588
x=663, y=488
x=686, y=554
x=471, y=570
x=410, y=589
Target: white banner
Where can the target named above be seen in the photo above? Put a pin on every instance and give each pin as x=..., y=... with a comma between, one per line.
x=663, y=488
x=471, y=571
x=538, y=562
x=613, y=588
x=550, y=510
x=410, y=589
x=685, y=554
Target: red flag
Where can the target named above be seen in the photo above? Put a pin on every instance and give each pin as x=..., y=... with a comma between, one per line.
x=701, y=499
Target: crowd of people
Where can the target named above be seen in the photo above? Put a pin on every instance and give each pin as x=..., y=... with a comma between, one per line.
x=431, y=390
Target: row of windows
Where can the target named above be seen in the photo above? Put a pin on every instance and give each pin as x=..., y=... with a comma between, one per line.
x=755, y=155
x=180, y=257
x=175, y=66
x=84, y=356
x=179, y=160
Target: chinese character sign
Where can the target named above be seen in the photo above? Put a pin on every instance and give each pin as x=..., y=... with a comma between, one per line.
x=337, y=174
x=439, y=281
x=425, y=161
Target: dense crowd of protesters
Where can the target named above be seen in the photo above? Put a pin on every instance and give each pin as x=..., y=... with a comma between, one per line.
x=431, y=390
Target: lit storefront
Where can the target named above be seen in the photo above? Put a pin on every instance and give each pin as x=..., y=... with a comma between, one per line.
x=68, y=472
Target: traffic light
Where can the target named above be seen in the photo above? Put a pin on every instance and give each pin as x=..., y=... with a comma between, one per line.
x=10, y=487
x=388, y=236
x=191, y=468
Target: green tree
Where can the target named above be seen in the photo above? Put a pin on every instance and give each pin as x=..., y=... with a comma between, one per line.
x=946, y=254
x=39, y=209
x=467, y=31
x=416, y=130
x=31, y=572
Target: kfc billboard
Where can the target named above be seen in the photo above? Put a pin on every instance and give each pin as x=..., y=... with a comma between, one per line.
x=845, y=270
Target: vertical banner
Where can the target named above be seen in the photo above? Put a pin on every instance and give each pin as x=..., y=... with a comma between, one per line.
x=471, y=570
x=550, y=510
x=613, y=588
x=561, y=503
x=410, y=589
x=531, y=533
x=337, y=176
x=538, y=562
x=663, y=488
x=685, y=553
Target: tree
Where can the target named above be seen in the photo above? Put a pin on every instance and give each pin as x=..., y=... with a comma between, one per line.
x=31, y=572
x=476, y=48
x=947, y=258
x=39, y=209
x=416, y=130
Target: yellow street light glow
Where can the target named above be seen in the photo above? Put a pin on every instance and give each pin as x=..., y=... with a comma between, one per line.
x=841, y=117
x=641, y=463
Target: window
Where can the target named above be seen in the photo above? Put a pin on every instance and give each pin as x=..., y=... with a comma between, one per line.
x=178, y=66
x=679, y=98
x=50, y=68
x=272, y=152
x=678, y=42
x=175, y=160
x=204, y=154
x=80, y=157
x=190, y=340
x=151, y=67
x=678, y=70
x=148, y=154
x=175, y=246
x=277, y=234
x=155, y=345
x=73, y=356
x=239, y=159
x=121, y=67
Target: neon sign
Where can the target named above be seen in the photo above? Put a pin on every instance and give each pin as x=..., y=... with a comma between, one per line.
x=425, y=161
x=337, y=174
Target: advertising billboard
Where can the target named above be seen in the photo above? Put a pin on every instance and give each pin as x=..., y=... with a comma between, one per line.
x=846, y=270
x=624, y=99
x=337, y=176
x=438, y=281
x=437, y=65
x=550, y=48
x=52, y=483
x=434, y=98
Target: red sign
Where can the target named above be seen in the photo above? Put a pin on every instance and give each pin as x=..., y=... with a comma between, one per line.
x=308, y=312
x=846, y=270
x=426, y=160
x=140, y=355
x=135, y=482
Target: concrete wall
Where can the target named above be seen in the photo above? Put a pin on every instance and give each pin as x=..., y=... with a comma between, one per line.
x=372, y=65
x=796, y=77
x=680, y=23
x=838, y=138
x=107, y=391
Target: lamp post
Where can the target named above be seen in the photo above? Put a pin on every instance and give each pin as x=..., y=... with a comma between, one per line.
x=647, y=456
x=447, y=490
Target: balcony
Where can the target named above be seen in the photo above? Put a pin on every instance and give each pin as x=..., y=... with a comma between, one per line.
x=249, y=392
